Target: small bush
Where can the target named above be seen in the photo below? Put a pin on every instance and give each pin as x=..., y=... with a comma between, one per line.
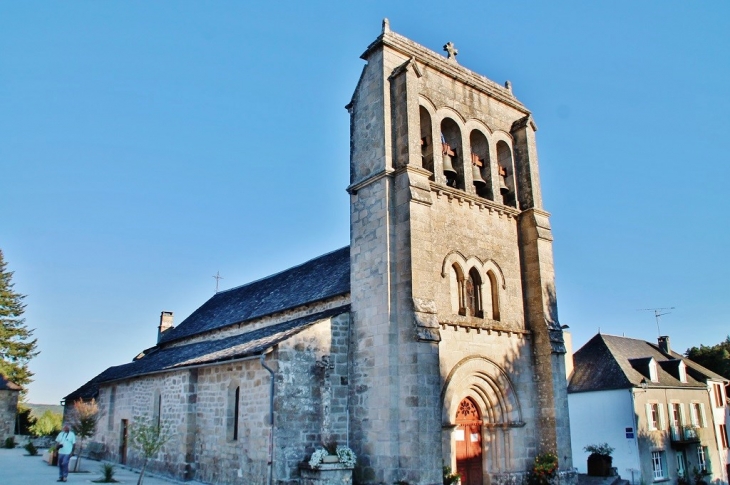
x=107, y=473
x=31, y=449
x=449, y=477
x=10, y=442
x=599, y=449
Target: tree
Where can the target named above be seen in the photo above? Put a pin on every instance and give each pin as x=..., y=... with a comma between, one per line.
x=16, y=346
x=48, y=424
x=714, y=357
x=83, y=422
x=149, y=439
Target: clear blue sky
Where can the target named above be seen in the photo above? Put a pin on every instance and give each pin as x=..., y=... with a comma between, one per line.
x=146, y=145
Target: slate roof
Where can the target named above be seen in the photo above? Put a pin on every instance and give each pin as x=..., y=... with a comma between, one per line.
x=318, y=279
x=6, y=385
x=161, y=359
x=608, y=362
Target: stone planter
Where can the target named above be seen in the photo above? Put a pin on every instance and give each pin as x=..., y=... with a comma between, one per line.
x=326, y=474
x=599, y=465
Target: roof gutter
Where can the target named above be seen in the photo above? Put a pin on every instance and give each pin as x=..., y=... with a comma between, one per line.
x=196, y=366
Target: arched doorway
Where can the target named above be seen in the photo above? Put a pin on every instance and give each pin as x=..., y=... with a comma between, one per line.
x=469, y=443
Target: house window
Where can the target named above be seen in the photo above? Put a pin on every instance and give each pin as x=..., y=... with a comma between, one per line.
x=655, y=416
x=682, y=372
x=702, y=462
x=719, y=401
x=697, y=415
x=723, y=436
x=676, y=415
x=658, y=465
x=653, y=376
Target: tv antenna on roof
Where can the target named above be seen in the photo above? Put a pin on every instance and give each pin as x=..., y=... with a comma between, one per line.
x=657, y=313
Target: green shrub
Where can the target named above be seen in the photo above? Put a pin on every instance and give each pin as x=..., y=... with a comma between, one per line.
x=599, y=449
x=449, y=477
x=10, y=442
x=107, y=473
x=31, y=449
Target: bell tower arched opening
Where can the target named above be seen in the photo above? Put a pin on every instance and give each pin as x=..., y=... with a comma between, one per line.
x=426, y=141
x=481, y=171
x=452, y=154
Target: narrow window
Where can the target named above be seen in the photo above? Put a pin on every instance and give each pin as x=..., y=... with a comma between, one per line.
x=473, y=290
x=654, y=416
x=233, y=411
x=657, y=465
x=723, y=436
x=112, y=399
x=702, y=462
x=456, y=280
x=157, y=408
x=718, y=396
x=494, y=294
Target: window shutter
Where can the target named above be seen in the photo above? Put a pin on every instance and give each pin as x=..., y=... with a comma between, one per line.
x=703, y=421
x=661, y=407
x=649, y=424
x=693, y=414
x=682, y=418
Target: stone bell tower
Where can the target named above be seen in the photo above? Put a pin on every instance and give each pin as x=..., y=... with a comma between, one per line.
x=458, y=355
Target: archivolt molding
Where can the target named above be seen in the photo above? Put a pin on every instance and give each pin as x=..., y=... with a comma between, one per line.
x=498, y=135
x=488, y=385
x=428, y=105
x=466, y=263
x=452, y=114
x=480, y=126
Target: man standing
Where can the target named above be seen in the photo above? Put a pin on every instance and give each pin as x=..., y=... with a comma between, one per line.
x=66, y=440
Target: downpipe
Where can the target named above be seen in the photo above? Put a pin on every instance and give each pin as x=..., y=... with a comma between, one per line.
x=271, y=420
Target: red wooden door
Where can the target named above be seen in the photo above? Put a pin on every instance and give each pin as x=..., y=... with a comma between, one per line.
x=469, y=443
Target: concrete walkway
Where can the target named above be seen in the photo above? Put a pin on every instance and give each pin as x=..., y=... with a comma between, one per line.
x=18, y=468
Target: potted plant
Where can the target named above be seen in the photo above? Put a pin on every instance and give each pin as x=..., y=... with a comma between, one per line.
x=600, y=460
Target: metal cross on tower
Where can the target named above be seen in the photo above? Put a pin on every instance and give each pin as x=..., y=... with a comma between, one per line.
x=217, y=277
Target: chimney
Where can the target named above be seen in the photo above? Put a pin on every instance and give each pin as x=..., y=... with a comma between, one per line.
x=664, y=344
x=165, y=324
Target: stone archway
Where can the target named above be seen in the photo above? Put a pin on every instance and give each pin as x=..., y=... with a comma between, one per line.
x=469, y=443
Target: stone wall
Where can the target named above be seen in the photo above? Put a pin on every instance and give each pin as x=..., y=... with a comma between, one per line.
x=8, y=411
x=310, y=407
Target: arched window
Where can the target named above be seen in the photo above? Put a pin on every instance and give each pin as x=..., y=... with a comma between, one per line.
x=233, y=411
x=453, y=161
x=473, y=293
x=426, y=141
x=492, y=305
x=506, y=174
x=456, y=281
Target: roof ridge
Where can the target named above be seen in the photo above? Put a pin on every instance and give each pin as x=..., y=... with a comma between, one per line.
x=264, y=278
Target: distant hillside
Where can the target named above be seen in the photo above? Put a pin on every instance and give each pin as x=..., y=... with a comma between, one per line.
x=37, y=410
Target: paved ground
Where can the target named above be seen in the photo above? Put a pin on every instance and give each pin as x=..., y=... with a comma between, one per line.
x=17, y=468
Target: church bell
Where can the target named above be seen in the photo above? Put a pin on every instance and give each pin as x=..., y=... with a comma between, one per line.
x=477, y=176
x=503, y=189
x=448, y=167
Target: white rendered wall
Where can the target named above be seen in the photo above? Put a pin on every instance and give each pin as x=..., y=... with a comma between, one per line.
x=602, y=417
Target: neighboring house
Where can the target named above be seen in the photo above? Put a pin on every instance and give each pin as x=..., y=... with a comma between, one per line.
x=431, y=340
x=9, y=395
x=664, y=414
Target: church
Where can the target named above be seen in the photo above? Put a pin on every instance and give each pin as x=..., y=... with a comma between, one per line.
x=431, y=340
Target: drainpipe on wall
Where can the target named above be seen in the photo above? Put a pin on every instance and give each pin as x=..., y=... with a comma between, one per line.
x=271, y=420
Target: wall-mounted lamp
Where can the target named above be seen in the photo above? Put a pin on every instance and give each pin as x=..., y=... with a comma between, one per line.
x=644, y=384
